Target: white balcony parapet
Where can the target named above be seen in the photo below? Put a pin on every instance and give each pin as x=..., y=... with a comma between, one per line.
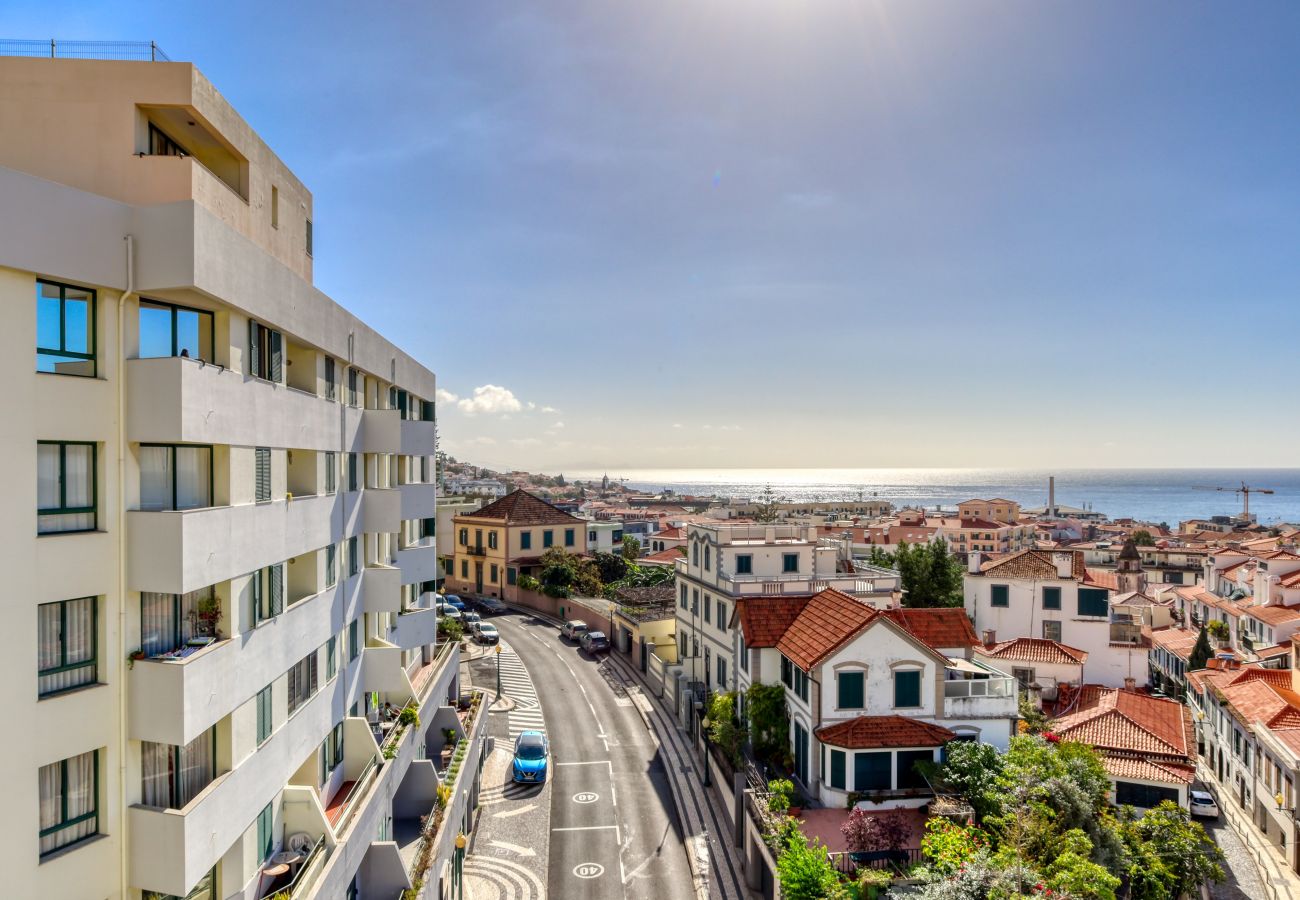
x=382, y=589
x=419, y=563
x=415, y=628
x=419, y=500
x=418, y=437
x=381, y=431
x=381, y=510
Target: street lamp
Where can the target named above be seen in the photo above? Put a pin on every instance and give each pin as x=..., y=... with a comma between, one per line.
x=460, y=860
x=705, y=722
x=498, y=671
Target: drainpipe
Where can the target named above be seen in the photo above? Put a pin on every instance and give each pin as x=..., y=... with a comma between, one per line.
x=120, y=375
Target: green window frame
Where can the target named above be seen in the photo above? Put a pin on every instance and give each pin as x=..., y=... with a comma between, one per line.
x=354, y=641
x=354, y=557
x=464, y=568
x=177, y=345
x=172, y=450
x=838, y=766
x=67, y=821
x=871, y=771
x=331, y=472
x=569, y=537
x=720, y=618
x=331, y=657
x=331, y=379
x=999, y=596
x=331, y=565
x=1093, y=602
x=265, y=352
x=268, y=593
x=354, y=482
x=265, y=724
x=261, y=474
x=512, y=576
x=492, y=576
x=1051, y=597
x=907, y=688
x=789, y=563
x=548, y=538
x=525, y=540
x=45, y=514
x=906, y=771
x=57, y=669
x=266, y=832
x=744, y=563
x=79, y=363
x=850, y=690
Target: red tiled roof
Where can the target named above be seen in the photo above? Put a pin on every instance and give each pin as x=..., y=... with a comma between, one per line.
x=1032, y=563
x=1127, y=721
x=1101, y=578
x=867, y=732
x=672, y=533
x=1274, y=615
x=1035, y=650
x=672, y=554
x=936, y=628
x=764, y=619
x=826, y=621
x=1123, y=766
x=522, y=508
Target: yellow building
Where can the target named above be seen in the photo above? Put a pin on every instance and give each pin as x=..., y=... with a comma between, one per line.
x=506, y=539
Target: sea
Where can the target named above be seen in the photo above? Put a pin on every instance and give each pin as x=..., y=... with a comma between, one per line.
x=1153, y=495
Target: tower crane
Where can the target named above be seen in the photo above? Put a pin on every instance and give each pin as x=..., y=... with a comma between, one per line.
x=1245, y=491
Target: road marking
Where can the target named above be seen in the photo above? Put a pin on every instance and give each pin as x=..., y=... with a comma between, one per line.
x=591, y=762
x=514, y=848
x=515, y=812
x=589, y=870
x=586, y=797
x=589, y=828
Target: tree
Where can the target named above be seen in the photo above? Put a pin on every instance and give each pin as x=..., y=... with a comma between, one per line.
x=931, y=576
x=973, y=772
x=1183, y=846
x=1201, y=652
x=724, y=727
x=766, y=510
x=869, y=832
x=564, y=574
x=612, y=567
x=878, y=557
x=768, y=722
x=1143, y=538
x=631, y=548
x=950, y=847
x=804, y=869
x=1074, y=873
x=1032, y=719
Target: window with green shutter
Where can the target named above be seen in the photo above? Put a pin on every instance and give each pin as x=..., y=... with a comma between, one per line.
x=907, y=688
x=999, y=595
x=354, y=640
x=354, y=557
x=265, y=352
x=331, y=657
x=264, y=722
x=331, y=472
x=568, y=537
x=331, y=565
x=1051, y=597
x=851, y=690
x=548, y=538
x=354, y=482
x=837, y=769
x=1092, y=602
x=266, y=832
x=262, y=473
x=908, y=774
x=871, y=771
x=331, y=389
x=525, y=540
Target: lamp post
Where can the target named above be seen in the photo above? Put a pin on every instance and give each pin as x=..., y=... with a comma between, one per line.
x=460, y=861
x=498, y=672
x=705, y=722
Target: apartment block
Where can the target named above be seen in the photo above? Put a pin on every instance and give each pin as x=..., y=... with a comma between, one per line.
x=222, y=540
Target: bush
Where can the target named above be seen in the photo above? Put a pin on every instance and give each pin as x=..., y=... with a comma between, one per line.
x=409, y=716
x=768, y=723
x=450, y=629
x=804, y=869
x=950, y=847
x=724, y=729
x=781, y=791
x=872, y=832
x=529, y=583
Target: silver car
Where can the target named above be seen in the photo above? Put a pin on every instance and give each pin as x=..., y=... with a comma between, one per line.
x=1202, y=805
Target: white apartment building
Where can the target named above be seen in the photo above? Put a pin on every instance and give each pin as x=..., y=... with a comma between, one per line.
x=727, y=563
x=221, y=524
x=604, y=536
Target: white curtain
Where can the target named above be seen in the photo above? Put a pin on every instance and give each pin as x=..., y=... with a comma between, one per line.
x=77, y=480
x=155, y=478
x=47, y=476
x=155, y=768
x=193, y=477
x=158, y=627
x=78, y=477
x=66, y=637
x=196, y=769
x=79, y=801
x=172, y=777
x=51, y=786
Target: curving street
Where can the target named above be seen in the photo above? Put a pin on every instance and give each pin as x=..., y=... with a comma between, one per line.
x=604, y=825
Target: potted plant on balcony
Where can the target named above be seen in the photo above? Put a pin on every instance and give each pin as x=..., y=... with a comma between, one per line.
x=133, y=657
x=1218, y=630
x=206, y=616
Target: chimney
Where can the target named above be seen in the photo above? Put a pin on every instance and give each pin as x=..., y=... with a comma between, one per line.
x=973, y=562
x=1051, y=496
x=1064, y=564
x=990, y=637
x=1130, y=684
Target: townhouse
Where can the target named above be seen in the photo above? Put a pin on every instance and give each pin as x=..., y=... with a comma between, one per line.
x=220, y=530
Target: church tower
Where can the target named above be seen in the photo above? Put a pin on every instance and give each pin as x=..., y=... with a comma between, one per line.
x=1129, y=573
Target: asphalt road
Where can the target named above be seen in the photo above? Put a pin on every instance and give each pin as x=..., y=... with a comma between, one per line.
x=613, y=829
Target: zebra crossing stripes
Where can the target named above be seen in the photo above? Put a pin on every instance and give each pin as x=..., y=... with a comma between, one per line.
x=518, y=686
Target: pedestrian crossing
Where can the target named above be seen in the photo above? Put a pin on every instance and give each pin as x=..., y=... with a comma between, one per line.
x=518, y=686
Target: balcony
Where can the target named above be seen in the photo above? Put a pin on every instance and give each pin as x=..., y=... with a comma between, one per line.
x=971, y=696
x=419, y=501
x=174, y=552
x=184, y=400
x=419, y=563
x=173, y=701
x=1129, y=633
x=414, y=628
x=778, y=585
x=475, y=550
x=418, y=437
x=381, y=431
x=381, y=588
x=381, y=510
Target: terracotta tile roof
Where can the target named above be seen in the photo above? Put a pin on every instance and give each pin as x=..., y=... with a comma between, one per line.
x=1035, y=650
x=1031, y=563
x=1101, y=578
x=672, y=554
x=1282, y=649
x=522, y=508
x=763, y=620
x=868, y=732
x=936, y=628
x=1178, y=641
x=1274, y=615
x=672, y=532
x=1291, y=580
x=1123, y=766
x=828, y=620
x=1127, y=722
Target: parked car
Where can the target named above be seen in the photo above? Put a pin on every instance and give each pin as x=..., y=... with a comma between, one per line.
x=447, y=611
x=453, y=600
x=1202, y=805
x=486, y=633
x=595, y=642
x=574, y=629
x=531, y=753
x=490, y=606
x=470, y=621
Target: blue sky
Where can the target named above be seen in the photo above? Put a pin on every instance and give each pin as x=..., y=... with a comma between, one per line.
x=799, y=233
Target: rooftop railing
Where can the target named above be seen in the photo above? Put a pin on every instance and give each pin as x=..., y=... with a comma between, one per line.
x=136, y=51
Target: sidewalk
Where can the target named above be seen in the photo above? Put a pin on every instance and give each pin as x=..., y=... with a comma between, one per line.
x=1280, y=883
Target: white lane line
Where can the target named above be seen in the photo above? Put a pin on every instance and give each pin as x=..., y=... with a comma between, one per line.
x=590, y=762
x=589, y=828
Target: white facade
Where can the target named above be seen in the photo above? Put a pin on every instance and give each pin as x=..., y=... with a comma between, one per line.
x=605, y=536
x=208, y=599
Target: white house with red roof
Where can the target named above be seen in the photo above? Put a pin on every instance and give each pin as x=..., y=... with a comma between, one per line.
x=1040, y=666
x=871, y=692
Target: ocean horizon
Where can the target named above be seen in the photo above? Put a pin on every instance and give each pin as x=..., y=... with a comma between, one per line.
x=1156, y=495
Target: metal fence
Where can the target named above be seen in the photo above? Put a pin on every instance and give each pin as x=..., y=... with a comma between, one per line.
x=138, y=51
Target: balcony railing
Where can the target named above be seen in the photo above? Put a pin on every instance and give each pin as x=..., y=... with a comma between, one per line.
x=305, y=877
x=138, y=51
x=364, y=780
x=1125, y=633
x=476, y=550
x=979, y=687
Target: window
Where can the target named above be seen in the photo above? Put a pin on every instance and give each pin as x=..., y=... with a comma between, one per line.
x=331, y=565
x=683, y=593
x=999, y=595
x=871, y=771
x=261, y=474
x=720, y=618
x=478, y=538
x=354, y=557
x=907, y=774
x=525, y=540
x=331, y=752
x=266, y=832
x=708, y=608
x=170, y=621
x=65, y=329
x=837, y=769
x=331, y=379
x=67, y=638
x=789, y=562
x=1142, y=796
x=354, y=640
x=801, y=683
x=743, y=655
x=175, y=477
x=69, y=801
x=302, y=682
x=907, y=688
x=787, y=672
x=707, y=557
x=695, y=601
x=354, y=482
x=331, y=472
x=851, y=687
x=275, y=207
x=264, y=721
x=169, y=330
x=568, y=537
x=309, y=237
x=722, y=672
x=695, y=554
x=591, y=537
x=353, y=396
x=682, y=641
x=1051, y=629
x=492, y=575
x=268, y=592
x=1092, y=602
x=1024, y=676
x=66, y=489
x=801, y=752
x=172, y=776
x=162, y=145
x=265, y=352
x=744, y=564
x=331, y=657
x=548, y=538
x=1051, y=598
x=512, y=575
x=492, y=540
x=464, y=568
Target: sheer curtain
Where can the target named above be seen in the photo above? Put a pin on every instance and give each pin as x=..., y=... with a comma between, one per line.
x=80, y=801
x=79, y=485
x=51, y=786
x=66, y=637
x=156, y=478
x=47, y=476
x=158, y=627
x=156, y=774
x=171, y=777
x=196, y=768
x=193, y=477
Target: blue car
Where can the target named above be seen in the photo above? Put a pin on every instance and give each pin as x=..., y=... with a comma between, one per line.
x=531, y=753
x=453, y=600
